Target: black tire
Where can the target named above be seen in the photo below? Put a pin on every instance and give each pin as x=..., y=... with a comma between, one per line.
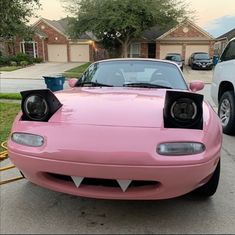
x=227, y=101
x=209, y=189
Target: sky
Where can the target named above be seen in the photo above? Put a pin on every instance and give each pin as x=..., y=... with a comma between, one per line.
x=215, y=16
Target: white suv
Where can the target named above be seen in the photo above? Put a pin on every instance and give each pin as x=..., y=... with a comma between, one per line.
x=223, y=88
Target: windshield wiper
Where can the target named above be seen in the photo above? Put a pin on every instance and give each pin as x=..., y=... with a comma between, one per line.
x=145, y=85
x=94, y=84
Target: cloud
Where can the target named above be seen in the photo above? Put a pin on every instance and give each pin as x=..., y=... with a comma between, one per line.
x=221, y=25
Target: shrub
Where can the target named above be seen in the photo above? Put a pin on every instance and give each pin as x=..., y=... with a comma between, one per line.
x=23, y=57
x=13, y=63
x=37, y=60
x=5, y=60
x=24, y=63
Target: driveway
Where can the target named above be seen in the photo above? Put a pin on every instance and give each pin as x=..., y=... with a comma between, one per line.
x=38, y=70
x=203, y=75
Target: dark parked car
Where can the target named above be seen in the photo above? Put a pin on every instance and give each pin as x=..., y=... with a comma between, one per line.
x=175, y=57
x=200, y=60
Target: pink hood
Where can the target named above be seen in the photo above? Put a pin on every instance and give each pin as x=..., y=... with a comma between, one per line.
x=132, y=107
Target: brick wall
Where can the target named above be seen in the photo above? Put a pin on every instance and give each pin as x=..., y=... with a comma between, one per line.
x=180, y=33
x=53, y=37
x=144, y=50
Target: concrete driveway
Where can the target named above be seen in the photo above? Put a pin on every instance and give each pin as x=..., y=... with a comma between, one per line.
x=203, y=75
x=38, y=70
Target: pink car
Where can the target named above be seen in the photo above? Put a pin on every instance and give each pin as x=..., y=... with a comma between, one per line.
x=127, y=129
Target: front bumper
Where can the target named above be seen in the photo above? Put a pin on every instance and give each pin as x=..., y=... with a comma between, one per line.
x=172, y=181
x=203, y=66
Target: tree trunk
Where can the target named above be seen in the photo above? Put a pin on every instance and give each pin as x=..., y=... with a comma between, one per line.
x=125, y=49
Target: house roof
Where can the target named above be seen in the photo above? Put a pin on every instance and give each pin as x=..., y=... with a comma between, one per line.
x=206, y=34
x=40, y=33
x=153, y=33
x=62, y=26
x=229, y=35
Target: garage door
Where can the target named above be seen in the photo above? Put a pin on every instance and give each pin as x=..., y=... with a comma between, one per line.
x=164, y=49
x=57, y=53
x=79, y=53
x=195, y=48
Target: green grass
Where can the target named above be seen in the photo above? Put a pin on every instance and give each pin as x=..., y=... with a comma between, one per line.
x=77, y=71
x=9, y=68
x=8, y=112
x=11, y=96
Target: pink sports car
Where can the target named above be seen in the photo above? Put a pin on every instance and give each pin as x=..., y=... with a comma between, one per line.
x=127, y=129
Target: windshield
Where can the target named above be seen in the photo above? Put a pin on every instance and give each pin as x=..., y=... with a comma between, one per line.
x=202, y=56
x=134, y=73
x=176, y=58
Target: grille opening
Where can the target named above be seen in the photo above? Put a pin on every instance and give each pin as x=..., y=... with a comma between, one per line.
x=104, y=182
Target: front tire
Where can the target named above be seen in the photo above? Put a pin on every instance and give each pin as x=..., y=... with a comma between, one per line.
x=209, y=189
x=226, y=112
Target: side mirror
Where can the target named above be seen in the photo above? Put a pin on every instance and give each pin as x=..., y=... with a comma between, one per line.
x=72, y=82
x=196, y=85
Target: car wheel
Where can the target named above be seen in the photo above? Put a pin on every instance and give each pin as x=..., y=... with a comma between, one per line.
x=226, y=112
x=209, y=189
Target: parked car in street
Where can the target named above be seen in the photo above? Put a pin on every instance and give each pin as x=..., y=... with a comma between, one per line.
x=200, y=60
x=127, y=129
x=223, y=88
x=177, y=58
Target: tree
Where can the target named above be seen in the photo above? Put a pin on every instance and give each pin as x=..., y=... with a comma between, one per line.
x=121, y=21
x=14, y=16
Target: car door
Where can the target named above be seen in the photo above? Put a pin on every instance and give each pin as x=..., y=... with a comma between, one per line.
x=225, y=69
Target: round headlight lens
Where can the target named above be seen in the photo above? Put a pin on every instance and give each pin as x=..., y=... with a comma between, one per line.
x=184, y=109
x=36, y=107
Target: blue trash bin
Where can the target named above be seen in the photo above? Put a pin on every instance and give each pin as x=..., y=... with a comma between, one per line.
x=54, y=83
x=215, y=59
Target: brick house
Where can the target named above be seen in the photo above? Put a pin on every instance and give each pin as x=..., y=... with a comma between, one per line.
x=186, y=38
x=223, y=40
x=52, y=43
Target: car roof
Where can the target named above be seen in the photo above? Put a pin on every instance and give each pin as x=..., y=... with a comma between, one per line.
x=200, y=53
x=135, y=59
x=173, y=54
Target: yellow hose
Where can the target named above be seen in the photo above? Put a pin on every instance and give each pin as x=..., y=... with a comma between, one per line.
x=3, y=156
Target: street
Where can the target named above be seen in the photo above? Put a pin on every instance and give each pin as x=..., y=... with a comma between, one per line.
x=27, y=208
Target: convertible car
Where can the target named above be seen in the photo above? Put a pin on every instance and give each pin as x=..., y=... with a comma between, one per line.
x=128, y=129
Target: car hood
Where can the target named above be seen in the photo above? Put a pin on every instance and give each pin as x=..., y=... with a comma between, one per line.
x=132, y=107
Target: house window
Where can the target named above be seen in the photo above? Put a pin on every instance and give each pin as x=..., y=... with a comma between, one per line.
x=30, y=48
x=135, y=50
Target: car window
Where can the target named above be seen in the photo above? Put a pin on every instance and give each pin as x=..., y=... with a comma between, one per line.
x=202, y=56
x=229, y=52
x=118, y=73
x=173, y=57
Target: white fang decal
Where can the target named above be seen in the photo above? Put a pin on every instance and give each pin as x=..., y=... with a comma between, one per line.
x=124, y=184
x=77, y=180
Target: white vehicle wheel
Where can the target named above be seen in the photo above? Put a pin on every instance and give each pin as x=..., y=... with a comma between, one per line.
x=226, y=112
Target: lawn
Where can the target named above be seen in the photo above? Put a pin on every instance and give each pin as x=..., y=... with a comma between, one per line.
x=12, y=96
x=77, y=71
x=8, y=112
x=9, y=68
